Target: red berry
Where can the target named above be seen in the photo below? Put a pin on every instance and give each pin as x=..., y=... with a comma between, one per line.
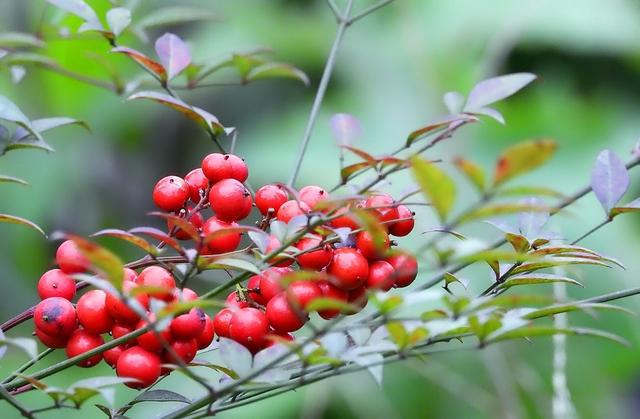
x=158, y=277
x=291, y=209
x=317, y=259
x=302, y=293
x=346, y=219
x=380, y=276
x=51, y=341
x=312, y=195
x=189, y=325
x=384, y=207
x=270, y=282
x=55, y=316
x=249, y=327
x=205, y=338
x=406, y=268
x=349, y=268
x=230, y=200
x=130, y=275
x=139, y=364
x=281, y=261
x=223, y=242
x=188, y=295
x=270, y=197
x=82, y=341
x=403, y=227
x=170, y=193
x=332, y=292
x=92, y=312
x=55, y=283
x=196, y=220
x=234, y=302
x=253, y=287
x=239, y=170
x=149, y=340
x=282, y=316
x=221, y=322
x=112, y=355
x=197, y=182
x=372, y=247
x=358, y=297
x=120, y=330
x=119, y=310
x=184, y=349
x=216, y=167
x=70, y=259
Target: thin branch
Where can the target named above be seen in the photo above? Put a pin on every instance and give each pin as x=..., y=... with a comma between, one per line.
x=334, y=9
x=593, y=230
x=369, y=10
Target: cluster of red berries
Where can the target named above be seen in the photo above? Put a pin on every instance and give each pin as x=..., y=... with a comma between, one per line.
x=79, y=328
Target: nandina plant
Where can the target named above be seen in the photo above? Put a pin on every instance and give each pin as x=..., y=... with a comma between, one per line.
x=321, y=284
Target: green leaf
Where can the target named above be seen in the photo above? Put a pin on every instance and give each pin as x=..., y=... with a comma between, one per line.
x=492, y=210
x=228, y=263
x=150, y=65
x=19, y=40
x=532, y=331
x=553, y=262
x=565, y=308
x=522, y=158
x=277, y=70
x=348, y=171
x=160, y=396
x=436, y=126
x=528, y=191
x=5, y=218
x=473, y=172
x=437, y=186
x=28, y=345
x=633, y=206
x=535, y=280
x=10, y=112
x=175, y=15
x=129, y=238
x=519, y=242
x=398, y=334
x=118, y=19
x=11, y=179
x=46, y=124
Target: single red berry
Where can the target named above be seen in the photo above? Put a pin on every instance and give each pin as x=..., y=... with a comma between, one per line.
x=130, y=275
x=170, y=193
x=291, y=209
x=184, y=349
x=198, y=183
x=274, y=338
x=239, y=170
x=188, y=295
x=280, y=261
x=384, y=207
x=55, y=283
x=82, y=341
x=249, y=327
x=112, y=355
x=158, y=277
x=234, y=302
x=119, y=330
x=372, y=247
x=345, y=218
x=205, y=338
x=196, y=220
x=224, y=241
x=221, y=322
x=139, y=364
x=358, y=298
x=52, y=341
x=216, y=167
x=282, y=316
x=270, y=282
x=312, y=195
x=332, y=292
x=70, y=259
x=55, y=316
x=380, y=276
x=118, y=308
x=149, y=340
x=317, y=259
x=189, y=325
x=253, y=290
x=302, y=293
x=405, y=225
x=349, y=268
x=92, y=312
x=230, y=200
x=406, y=268
x=270, y=197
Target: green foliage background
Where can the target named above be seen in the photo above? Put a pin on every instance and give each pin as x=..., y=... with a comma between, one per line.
x=392, y=71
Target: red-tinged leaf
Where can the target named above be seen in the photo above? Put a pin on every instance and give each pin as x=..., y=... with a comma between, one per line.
x=362, y=154
x=153, y=67
x=128, y=237
x=553, y=262
x=202, y=117
x=436, y=185
x=519, y=242
x=522, y=158
x=563, y=249
x=181, y=223
x=633, y=206
x=536, y=279
x=433, y=127
x=609, y=180
x=159, y=235
x=5, y=218
x=495, y=89
x=473, y=172
x=348, y=171
x=389, y=160
x=174, y=54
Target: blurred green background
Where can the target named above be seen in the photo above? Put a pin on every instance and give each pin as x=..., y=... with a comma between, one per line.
x=392, y=71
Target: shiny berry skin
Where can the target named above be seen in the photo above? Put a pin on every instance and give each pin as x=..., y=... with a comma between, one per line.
x=302, y=293
x=358, y=297
x=119, y=310
x=170, y=193
x=52, y=341
x=221, y=322
x=346, y=219
x=331, y=291
x=55, y=283
x=381, y=276
x=130, y=275
x=230, y=200
x=385, y=207
x=189, y=325
x=70, y=259
x=271, y=197
x=158, y=277
x=197, y=182
x=149, y=340
x=274, y=338
x=371, y=247
x=234, y=302
x=291, y=209
x=270, y=282
x=312, y=195
x=249, y=327
x=406, y=268
x=280, y=261
x=403, y=227
x=282, y=315
x=82, y=341
x=216, y=167
x=184, y=349
x=92, y=312
x=120, y=330
x=254, y=284
x=239, y=170
x=112, y=355
x=140, y=364
x=205, y=338
x=349, y=268
x=55, y=316
x=224, y=242
x=317, y=259
x=196, y=220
